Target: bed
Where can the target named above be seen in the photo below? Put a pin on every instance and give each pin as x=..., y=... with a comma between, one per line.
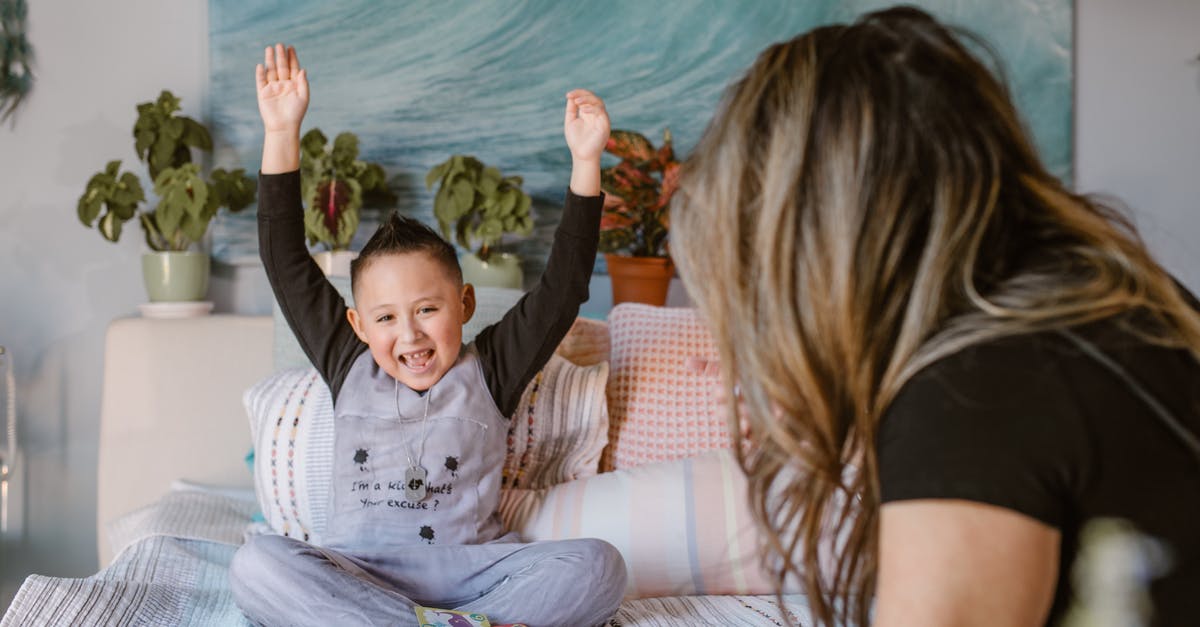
x=175, y=498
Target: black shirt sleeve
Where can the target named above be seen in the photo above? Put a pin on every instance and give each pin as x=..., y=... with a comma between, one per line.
x=515, y=348
x=995, y=423
x=312, y=307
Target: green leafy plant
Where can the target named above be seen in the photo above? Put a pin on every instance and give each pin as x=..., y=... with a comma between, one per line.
x=476, y=205
x=336, y=184
x=635, y=220
x=16, y=79
x=187, y=202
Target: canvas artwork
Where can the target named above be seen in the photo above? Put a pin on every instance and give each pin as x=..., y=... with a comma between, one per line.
x=419, y=82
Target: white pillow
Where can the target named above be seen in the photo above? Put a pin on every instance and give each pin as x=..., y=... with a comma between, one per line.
x=491, y=303
x=683, y=526
x=285, y=349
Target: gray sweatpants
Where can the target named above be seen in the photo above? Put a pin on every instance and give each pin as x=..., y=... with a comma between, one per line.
x=278, y=580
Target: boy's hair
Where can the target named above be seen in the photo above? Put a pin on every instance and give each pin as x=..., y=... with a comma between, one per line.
x=400, y=234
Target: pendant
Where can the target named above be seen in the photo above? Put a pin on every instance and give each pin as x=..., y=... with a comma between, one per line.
x=414, y=484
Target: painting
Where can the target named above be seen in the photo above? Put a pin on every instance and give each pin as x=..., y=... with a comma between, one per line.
x=421, y=81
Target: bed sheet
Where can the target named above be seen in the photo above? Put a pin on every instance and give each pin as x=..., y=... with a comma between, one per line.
x=172, y=563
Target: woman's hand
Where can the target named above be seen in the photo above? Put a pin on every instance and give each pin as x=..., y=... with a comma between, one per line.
x=282, y=90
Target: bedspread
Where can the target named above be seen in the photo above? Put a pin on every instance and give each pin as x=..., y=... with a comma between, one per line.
x=172, y=569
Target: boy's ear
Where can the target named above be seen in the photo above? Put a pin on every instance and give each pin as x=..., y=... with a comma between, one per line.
x=356, y=323
x=468, y=299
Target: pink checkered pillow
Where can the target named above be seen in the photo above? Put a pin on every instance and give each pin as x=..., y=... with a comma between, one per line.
x=659, y=409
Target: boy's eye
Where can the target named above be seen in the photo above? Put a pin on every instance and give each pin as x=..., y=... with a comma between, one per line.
x=426, y=310
x=384, y=318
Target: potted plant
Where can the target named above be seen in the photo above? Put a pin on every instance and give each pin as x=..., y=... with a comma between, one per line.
x=16, y=79
x=635, y=221
x=475, y=205
x=174, y=271
x=336, y=184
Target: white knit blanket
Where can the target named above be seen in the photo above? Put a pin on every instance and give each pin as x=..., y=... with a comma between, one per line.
x=172, y=568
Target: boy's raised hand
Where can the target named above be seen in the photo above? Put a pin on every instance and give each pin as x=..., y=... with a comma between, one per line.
x=586, y=125
x=282, y=89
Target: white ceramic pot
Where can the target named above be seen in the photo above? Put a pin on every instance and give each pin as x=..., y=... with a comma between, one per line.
x=335, y=262
x=500, y=270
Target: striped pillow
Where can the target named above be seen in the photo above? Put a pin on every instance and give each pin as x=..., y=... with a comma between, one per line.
x=560, y=426
x=682, y=526
x=291, y=421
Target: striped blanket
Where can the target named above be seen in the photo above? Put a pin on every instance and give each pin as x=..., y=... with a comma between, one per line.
x=172, y=567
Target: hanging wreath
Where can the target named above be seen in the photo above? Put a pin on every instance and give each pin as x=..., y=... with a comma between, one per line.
x=15, y=56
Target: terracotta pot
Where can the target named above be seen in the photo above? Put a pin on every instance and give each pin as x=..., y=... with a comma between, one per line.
x=640, y=279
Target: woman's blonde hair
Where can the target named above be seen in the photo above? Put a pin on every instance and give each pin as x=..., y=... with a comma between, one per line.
x=864, y=203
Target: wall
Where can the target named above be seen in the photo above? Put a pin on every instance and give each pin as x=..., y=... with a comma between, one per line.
x=1137, y=136
x=60, y=284
x=1138, y=119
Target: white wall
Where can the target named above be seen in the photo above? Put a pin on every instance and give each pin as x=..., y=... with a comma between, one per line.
x=1138, y=137
x=60, y=284
x=1137, y=119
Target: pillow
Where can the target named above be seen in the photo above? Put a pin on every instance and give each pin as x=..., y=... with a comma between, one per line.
x=659, y=410
x=682, y=526
x=286, y=352
x=586, y=342
x=560, y=426
x=491, y=303
x=291, y=421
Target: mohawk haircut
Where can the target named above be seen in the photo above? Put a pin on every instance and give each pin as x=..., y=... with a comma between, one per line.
x=399, y=235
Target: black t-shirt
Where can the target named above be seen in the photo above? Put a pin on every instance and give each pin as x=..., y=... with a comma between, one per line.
x=1032, y=424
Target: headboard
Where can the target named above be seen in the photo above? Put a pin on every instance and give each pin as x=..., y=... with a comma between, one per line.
x=172, y=408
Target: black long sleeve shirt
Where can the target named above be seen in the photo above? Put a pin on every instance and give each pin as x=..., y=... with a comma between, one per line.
x=511, y=351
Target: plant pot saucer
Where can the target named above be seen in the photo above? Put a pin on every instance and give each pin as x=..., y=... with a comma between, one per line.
x=180, y=309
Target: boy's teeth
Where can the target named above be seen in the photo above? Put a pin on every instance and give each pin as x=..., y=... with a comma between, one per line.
x=417, y=360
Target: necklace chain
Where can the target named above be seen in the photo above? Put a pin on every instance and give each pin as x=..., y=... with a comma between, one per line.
x=424, y=427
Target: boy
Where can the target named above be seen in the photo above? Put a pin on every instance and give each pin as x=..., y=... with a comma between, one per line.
x=420, y=419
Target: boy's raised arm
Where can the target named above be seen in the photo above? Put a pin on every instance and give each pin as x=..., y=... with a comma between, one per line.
x=586, y=129
x=312, y=307
x=514, y=349
x=282, y=102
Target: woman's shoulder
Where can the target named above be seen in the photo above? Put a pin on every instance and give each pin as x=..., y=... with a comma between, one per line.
x=1017, y=368
x=987, y=376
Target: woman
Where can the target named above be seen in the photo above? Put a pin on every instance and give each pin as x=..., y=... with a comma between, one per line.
x=917, y=316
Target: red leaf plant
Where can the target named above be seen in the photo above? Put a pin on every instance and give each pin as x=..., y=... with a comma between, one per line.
x=639, y=188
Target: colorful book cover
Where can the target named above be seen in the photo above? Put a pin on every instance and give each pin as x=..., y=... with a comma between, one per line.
x=434, y=617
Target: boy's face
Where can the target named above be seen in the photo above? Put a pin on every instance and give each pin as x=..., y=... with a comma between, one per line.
x=410, y=312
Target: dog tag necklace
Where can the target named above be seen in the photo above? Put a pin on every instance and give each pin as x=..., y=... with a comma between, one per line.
x=415, y=488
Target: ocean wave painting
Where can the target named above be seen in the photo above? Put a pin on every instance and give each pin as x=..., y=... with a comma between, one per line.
x=420, y=81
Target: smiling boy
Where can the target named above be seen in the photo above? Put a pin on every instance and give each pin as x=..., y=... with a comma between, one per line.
x=410, y=305
x=406, y=526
